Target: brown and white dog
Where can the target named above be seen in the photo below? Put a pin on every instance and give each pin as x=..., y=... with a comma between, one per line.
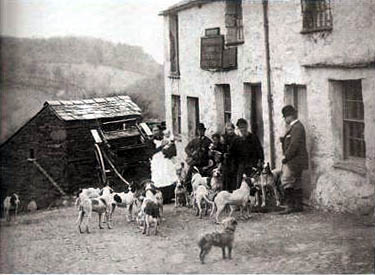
x=11, y=203
x=125, y=200
x=87, y=193
x=267, y=179
x=221, y=239
x=101, y=205
x=150, y=212
x=201, y=197
x=240, y=197
x=156, y=196
x=180, y=195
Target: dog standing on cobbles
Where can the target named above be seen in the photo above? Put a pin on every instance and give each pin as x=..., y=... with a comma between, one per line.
x=221, y=239
x=267, y=179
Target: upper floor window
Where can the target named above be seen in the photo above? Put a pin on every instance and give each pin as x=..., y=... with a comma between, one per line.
x=316, y=15
x=233, y=22
x=173, y=45
x=176, y=114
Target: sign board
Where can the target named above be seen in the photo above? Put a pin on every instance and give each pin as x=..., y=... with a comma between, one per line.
x=212, y=52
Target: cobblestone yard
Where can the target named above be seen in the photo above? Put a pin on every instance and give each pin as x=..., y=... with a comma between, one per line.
x=309, y=242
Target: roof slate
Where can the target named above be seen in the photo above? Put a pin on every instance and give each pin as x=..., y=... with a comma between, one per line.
x=94, y=108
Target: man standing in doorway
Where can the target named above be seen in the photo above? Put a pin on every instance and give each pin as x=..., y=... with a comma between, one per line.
x=295, y=160
x=197, y=153
x=230, y=176
x=246, y=151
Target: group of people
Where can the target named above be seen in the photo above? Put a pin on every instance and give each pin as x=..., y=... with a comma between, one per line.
x=235, y=154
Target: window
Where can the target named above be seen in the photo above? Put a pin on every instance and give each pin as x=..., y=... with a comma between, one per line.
x=353, y=120
x=233, y=22
x=173, y=45
x=193, y=115
x=296, y=96
x=227, y=105
x=213, y=54
x=348, y=125
x=316, y=15
x=176, y=114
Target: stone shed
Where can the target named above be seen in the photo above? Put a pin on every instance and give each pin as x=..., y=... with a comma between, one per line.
x=230, y=59
x=56, y=146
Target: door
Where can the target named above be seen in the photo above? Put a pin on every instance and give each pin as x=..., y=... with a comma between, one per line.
x=193, y=115
x=253, y=108
x=223, y=106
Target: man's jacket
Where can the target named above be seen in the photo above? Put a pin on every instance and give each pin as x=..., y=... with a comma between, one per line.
x=294, y=148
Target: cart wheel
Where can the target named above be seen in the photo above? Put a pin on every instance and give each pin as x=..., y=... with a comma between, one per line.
x=100, y=159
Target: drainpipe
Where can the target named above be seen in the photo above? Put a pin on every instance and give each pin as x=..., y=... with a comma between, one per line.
x=268, y=76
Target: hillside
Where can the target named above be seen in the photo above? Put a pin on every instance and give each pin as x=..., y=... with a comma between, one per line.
x=36, y=70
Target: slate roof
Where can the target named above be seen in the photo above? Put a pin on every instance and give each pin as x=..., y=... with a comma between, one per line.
x=185, y=4
x=95, y=108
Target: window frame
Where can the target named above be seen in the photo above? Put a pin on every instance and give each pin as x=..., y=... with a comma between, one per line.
x=323, y=17
x=173, y=23
x=236, y=19
x=347, y=153
x=176, y=99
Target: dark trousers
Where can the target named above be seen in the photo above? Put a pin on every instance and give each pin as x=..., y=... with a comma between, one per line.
x=294, y=198
x=229, y=175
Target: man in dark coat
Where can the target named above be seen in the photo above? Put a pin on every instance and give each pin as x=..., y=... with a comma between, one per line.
x=229, y=167
x=295, y=160
x=246, y=151
x=197, y=153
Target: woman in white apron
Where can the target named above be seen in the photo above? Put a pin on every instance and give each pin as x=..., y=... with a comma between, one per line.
x=163, y=165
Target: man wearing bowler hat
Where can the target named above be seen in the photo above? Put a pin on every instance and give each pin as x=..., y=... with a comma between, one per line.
x=197, y=153
x=294, y=160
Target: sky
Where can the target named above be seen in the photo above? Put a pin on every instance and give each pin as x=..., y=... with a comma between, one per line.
x=134, y=22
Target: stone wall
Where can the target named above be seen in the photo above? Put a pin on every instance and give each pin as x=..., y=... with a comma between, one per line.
x=45, y=135
x=351, y=41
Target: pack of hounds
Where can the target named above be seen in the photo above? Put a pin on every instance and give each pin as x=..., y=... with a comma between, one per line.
x=144, y=204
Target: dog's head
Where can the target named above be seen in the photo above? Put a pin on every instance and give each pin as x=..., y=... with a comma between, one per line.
x=216, y=173
x=229, y=223
x=106, y=190
x=14, y=199
x=266, y=169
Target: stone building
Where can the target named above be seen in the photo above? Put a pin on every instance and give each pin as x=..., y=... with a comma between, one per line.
x=54, y=152
x=230, y=59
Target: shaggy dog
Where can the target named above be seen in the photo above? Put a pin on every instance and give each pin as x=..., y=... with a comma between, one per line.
x=221, y=239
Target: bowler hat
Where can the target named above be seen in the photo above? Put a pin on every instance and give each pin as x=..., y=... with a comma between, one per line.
x=201, y=126
x=241, y=121
x=288, y=110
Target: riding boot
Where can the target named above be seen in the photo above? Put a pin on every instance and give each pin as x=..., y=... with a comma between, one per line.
x=298, y=200
x=289, y=201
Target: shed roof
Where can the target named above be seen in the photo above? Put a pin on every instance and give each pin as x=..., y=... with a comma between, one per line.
x=95, y=108
x=185, y=4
